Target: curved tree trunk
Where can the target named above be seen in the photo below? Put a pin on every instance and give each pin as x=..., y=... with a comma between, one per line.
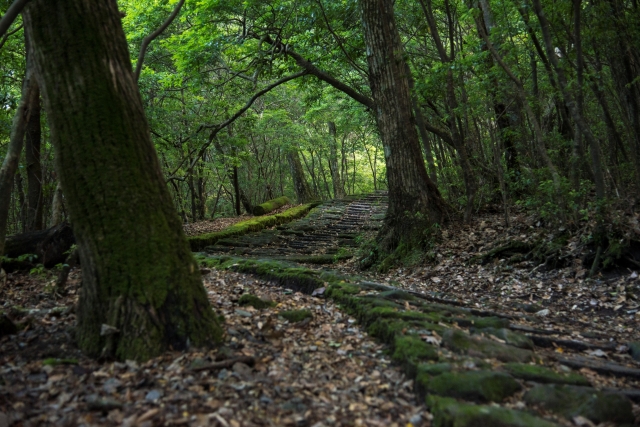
x=414, y=201
x=142, y=293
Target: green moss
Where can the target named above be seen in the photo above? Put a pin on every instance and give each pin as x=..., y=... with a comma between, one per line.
x=294, y=316
x=510, y=337
x=459, y=342
x=428, y=370
x=254, y=224
x=571, y=401
x=447, y=412
x=478, y=386
x=56, y=362
x=541, y=374
x=410, y=350
x=482, y=322
x=271, y=205
x=255, y=302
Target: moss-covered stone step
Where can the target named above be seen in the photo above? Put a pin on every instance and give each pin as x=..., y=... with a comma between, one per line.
x=448, y=412
x=542, y=374
x=255, y=224
x=572, y=401
x=475, y=386
x=327, y=229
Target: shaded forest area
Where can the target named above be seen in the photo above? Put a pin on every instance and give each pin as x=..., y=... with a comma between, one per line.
x=159, y=154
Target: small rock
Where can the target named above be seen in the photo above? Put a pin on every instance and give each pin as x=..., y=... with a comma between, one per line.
x=543, y=313
x=111, y=385
x=243, y=313
x=153, y=395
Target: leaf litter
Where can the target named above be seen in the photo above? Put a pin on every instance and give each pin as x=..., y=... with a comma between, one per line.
x=323, y=371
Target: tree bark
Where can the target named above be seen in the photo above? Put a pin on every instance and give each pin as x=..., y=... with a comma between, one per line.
x=338, y=185
x=34, y=167
x=56, y=206
x=414, y=201
x=139, y=276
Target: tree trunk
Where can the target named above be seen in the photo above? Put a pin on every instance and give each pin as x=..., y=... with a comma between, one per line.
x=56, y=207
x=139, y=276
x=34, y=168
x=414, y=201
x=338, y=185
x=300, y=184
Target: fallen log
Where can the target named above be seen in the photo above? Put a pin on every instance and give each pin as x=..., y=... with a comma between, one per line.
x=49, y=246
x=271, y=205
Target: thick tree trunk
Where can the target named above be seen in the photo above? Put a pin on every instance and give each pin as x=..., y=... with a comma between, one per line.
x=34, y=168
x=300, y=184
x=139, y=276
x=414, y=201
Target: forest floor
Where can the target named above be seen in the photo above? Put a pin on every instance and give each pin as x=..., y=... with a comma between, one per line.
x=328, y=369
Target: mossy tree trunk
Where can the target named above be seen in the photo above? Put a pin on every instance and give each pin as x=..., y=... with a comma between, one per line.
x=139, y=276
x=414, y=201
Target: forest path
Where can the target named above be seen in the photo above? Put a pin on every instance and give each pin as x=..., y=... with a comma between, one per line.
x=468, y=335
x=327, y=234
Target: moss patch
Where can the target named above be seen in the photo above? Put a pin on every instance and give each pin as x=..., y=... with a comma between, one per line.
x=56, y=362
x=459, y=342
x=510, y=337
x=477, y=386
x=541, y=374
x=571, y=401
x=410, y=350
x=254, y=224
x=294, y=316
x=255, y=302
x=447, y=412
